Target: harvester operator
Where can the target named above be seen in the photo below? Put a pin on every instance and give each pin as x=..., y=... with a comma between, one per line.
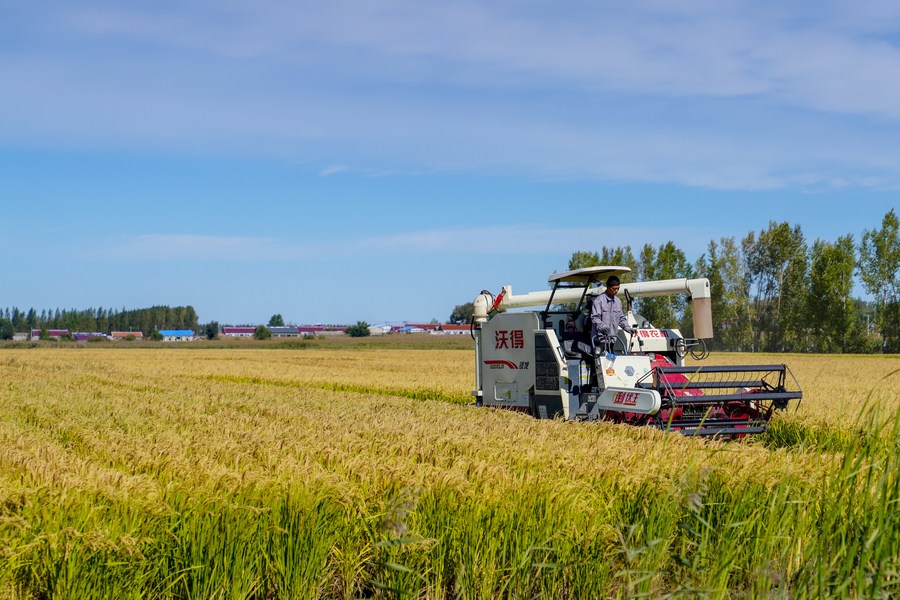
x=607, y=316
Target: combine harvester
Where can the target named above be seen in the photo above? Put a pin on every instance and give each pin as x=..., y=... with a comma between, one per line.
x=543, y=362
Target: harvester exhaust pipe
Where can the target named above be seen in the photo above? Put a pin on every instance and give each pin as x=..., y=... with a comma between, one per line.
x=700, y=299
x=481, y=307
x=702, y=318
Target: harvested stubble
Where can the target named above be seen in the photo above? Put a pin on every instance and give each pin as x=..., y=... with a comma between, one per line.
x=303, y=474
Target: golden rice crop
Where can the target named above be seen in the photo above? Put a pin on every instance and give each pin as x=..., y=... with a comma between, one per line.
x=196, y=473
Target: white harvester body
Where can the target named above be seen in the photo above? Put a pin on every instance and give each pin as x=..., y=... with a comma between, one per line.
x=544, y=362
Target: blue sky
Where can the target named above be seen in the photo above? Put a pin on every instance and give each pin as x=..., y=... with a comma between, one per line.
x=387, y=160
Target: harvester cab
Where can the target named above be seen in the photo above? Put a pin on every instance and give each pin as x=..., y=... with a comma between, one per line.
x=544, y=362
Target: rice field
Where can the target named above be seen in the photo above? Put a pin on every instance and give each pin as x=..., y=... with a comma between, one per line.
x=359, y=470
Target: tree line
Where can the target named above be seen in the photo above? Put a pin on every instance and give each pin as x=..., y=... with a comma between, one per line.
x=100, y=320
x=774, y=291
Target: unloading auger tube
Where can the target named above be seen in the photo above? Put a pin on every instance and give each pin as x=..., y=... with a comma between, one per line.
x=543, y=362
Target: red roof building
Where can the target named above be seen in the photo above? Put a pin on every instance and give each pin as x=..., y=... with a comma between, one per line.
x=121, y=335
x=53, y=333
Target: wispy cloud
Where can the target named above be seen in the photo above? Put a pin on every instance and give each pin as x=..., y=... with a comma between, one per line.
x=726, y=95
x=333, y=170
x=694, y=49
x=484, y=241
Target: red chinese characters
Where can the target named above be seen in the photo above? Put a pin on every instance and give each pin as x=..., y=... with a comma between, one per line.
x=625, y=398
x=504, y=338
x=518, y=338
x=652, y=333
x=501, y=339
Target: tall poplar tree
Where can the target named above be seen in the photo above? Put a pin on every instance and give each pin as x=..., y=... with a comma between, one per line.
x=620, y=256
x=831, y=312
x=665, y=262
x=879, y=269
x=722, y=265
x=777, y=271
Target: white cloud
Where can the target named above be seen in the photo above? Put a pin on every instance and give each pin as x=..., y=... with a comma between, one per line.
x=333, y=170
x=832, y=59
x=695, y=49
x=731, y=95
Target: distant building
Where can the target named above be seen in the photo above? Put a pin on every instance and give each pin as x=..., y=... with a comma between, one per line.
x=123, y=335
x=83, y=337
x=243, y=331
x=54, y=334
x=177, y=335
x=312, y=329
x=422, y=326
x=20, y=336
x=452, y=329
x=285, y=332
x=410, y=329
x=380, y=329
